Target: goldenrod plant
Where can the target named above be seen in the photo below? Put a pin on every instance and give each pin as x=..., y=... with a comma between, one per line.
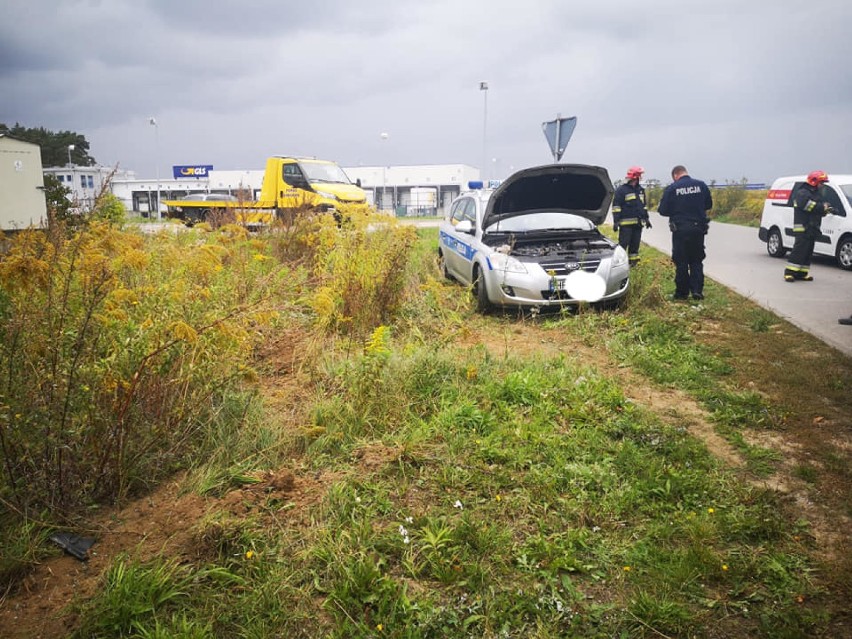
x=116, y=350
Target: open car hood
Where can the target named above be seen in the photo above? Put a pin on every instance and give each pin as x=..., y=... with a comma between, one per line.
x=580, y=189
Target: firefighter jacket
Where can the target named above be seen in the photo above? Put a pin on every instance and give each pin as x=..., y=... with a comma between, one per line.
x=628, y=205
x=809, y=207
x=686, y=202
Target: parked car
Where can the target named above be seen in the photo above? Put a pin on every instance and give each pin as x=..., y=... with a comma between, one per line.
x=534, y=240
x=191, y=215
x=776, y=222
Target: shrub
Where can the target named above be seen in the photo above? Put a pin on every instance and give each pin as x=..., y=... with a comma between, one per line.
x=116, y=353
x=363, y=271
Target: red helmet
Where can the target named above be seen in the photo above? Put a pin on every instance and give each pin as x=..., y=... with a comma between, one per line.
x=635, y=172
x=815, y=178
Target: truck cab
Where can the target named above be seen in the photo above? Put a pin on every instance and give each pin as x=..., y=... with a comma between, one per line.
x=293, y=183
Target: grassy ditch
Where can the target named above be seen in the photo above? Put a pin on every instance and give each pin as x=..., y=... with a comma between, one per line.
x=454, y=475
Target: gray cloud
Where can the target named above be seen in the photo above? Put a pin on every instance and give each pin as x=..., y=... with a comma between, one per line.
x=730, y=89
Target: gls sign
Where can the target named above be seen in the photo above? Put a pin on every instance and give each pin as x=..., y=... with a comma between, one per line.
x=192, y=170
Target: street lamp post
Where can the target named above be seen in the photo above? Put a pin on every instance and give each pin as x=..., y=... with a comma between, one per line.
x=384, y=136
x=153, y=122
x=483, y=86
x=71, y=147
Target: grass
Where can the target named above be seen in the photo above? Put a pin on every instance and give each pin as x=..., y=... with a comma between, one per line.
x=530, y=498
x=469, y=481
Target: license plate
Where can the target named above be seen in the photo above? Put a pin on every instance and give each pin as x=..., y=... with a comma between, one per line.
x=557, y=284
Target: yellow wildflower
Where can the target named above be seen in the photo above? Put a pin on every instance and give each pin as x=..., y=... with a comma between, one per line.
x=249, y=554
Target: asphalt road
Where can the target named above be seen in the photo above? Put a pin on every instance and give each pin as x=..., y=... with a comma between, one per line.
x=737, y=259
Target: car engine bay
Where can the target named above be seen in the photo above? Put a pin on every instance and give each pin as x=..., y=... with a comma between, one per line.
x=561, y=255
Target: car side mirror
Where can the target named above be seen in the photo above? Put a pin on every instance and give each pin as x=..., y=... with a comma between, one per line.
x=358, y=182
x=465, y=226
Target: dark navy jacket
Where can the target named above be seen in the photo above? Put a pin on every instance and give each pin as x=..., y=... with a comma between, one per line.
x=628, y=205
x=686, y=201
x=808, y=209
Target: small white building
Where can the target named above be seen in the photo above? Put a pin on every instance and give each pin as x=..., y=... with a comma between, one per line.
x=85, y=182
x=22, y=202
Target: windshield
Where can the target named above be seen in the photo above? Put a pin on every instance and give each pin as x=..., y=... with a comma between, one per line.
x=323, y=172
x=532, y=222
x=847, y=191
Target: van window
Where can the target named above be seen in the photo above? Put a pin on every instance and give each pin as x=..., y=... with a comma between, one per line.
x=847, y=191
x=833, y=200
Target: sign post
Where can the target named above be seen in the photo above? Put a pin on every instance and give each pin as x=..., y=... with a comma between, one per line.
x=558, y=132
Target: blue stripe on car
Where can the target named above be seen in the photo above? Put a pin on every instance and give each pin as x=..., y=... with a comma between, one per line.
x=456, y=245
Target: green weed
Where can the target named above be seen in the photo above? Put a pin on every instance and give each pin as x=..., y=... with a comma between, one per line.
x=132, y=595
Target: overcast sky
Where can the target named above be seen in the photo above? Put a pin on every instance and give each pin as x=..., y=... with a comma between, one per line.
x=730, y=88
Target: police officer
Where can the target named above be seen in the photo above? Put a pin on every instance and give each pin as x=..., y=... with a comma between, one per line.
x=629, y=214
x=809, y=207
x=686, y=202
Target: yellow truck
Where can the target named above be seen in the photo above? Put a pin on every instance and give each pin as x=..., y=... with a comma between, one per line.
x=290, y=185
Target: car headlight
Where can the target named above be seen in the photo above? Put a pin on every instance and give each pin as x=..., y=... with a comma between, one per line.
x=619, y=257
x=507, y=263
x=327, y=195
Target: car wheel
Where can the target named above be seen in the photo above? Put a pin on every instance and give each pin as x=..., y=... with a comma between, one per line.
x=774, y=243
x=442, y=264
x=844, y=253
x=483, y=304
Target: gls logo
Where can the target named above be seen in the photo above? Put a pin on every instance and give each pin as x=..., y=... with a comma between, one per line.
x=195, y=170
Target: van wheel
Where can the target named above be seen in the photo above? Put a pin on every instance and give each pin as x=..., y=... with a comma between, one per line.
x=844, y=253
x=483, y=304
x=774, y=243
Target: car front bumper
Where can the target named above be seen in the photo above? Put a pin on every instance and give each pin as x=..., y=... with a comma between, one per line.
x=538, y=289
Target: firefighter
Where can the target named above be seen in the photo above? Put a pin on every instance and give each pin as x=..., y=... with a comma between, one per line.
x=629, y=214
x=686, y=202
x=809, y=207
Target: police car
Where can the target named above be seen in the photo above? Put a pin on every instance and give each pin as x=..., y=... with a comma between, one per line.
x=534, y=242
x=776, y=222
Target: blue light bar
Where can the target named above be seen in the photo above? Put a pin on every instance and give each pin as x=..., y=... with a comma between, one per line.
x=474, y=184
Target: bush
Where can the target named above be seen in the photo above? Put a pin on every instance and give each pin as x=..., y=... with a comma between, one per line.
x=363, y=272
x=115, y=354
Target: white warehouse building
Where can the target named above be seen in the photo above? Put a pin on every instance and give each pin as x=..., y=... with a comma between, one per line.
x=405, y=190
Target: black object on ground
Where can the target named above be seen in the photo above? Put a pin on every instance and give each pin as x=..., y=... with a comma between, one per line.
x=74, y=545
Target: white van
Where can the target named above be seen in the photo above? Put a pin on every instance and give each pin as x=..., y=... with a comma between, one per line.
x=776, y=223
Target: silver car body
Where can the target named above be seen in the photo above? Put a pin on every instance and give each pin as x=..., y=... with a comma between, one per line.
x=524, y=241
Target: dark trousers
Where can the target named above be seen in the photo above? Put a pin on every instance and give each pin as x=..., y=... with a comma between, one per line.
x=799, y=262
x=688, y=257
x=629, y=237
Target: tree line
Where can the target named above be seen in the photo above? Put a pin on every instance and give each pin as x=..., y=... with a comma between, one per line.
x=54, y=144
